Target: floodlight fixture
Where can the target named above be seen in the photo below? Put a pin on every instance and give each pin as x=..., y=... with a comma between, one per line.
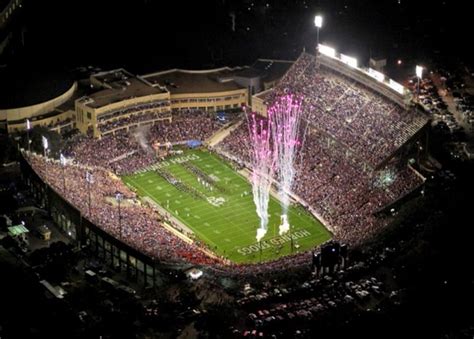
x=318, y=21
x=419, y=71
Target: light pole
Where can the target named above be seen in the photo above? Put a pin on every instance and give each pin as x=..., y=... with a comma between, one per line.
x=28, y=127
x=318, y=22
x=119, y=197
x=62, y=160
x=419, y=75
x=45, y=145
x=89, y=180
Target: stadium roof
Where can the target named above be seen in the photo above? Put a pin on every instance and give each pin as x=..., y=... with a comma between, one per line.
x=248, y=73
x=122, y=90
x=182, y=81
x=21, y=87
x=112, y=78
x=265, y=95
x=271, y=70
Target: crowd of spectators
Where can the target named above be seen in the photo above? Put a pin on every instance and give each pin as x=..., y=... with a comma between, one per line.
x=347, y=132
x=140, y=227
x=336, y=185
x=363, y=121
x=131, y=121
x=141, y=108
x=123, y=153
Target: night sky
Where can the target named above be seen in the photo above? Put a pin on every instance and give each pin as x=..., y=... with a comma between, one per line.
x=147, y=35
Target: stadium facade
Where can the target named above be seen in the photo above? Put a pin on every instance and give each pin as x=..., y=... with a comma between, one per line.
x=96, y=104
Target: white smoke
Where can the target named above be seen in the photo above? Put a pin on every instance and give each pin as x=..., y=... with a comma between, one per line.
x=285, y=225
x=141, y=136
x=232, y=16
x=260, y=233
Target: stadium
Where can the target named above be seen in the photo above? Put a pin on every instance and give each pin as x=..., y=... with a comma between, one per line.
x=159, y=172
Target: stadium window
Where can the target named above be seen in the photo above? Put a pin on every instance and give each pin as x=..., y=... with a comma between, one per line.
x=140, y=265
x=123, y=256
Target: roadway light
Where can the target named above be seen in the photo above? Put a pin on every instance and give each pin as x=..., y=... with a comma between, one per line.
x=28, y=127
x=119, y=197
x=419, y=71
x=62, y=160
x=419, y=75
x=45, y=145
x=90, y=180
x=318, y=21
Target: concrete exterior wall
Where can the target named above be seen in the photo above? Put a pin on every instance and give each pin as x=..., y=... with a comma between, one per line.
x=30, y=112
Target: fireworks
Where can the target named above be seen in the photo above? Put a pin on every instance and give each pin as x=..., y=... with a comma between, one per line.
x=274, y=147
x=285, y=125
x=263, y=168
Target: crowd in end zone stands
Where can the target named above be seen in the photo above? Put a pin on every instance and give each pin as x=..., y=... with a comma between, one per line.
x=185, y=125
x=331, y=178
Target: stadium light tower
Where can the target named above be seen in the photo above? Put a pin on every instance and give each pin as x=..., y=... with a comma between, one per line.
x=119, y=198
x=45, y=145
x=89, y=180
x=419, y=75
x=28, y=127
x=318, y=22
x=62, y=160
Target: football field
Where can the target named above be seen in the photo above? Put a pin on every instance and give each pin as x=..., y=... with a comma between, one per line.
x=213, y=200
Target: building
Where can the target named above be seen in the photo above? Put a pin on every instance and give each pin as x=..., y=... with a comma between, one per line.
x=43, y=99
x=208, y=90
x=122, y=101
x=107, y=102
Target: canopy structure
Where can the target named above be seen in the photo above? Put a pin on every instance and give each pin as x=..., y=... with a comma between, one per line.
x=221, y=116
x=17, y=230
x=30, y=209
x=193, y=143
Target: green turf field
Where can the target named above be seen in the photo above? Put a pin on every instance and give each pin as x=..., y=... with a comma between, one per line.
x=225, y=216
